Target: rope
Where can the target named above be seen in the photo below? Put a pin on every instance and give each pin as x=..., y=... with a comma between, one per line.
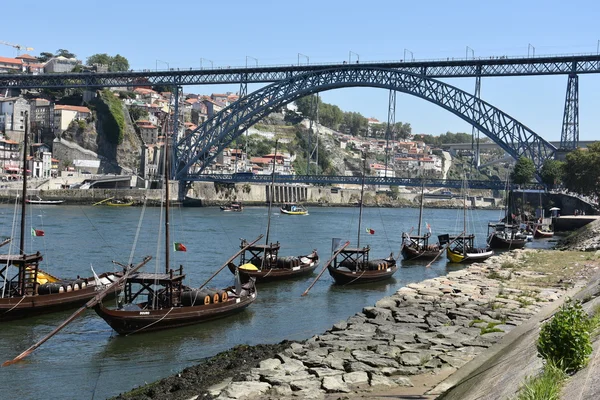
x=13, y=307
x=358, y=277
x=155, y=322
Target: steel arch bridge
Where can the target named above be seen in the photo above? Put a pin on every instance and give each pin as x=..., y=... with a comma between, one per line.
x=195, y=152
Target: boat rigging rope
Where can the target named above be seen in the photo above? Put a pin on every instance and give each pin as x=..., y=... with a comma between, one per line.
x=16, y=305
x=10, y=245
x=155, y=322
x=358, y=277
x=137, y=233
x=94, y=228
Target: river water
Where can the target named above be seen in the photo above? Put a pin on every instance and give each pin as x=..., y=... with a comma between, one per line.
x=87, y=360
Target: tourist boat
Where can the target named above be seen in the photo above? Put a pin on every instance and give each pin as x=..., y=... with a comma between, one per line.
x=541, y=232
x=352, y=265
x=156, y=301
x=418, y=247
x=293, y=209
x=234, y=207
x=505, y=236
x=461, y=248
x=39, y=200
x=27, y=289
x=262, y=261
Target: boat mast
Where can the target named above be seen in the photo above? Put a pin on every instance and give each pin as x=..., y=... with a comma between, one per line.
x=23, y=203
x=271, y=194
x=362, y=191
x=464, y=247
x=421, y=208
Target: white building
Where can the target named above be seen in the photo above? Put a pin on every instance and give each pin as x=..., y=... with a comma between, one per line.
x=60, y=64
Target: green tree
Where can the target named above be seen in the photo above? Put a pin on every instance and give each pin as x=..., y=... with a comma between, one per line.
x=552, y=172
x=44, y=56
x=64, y=53
x=117, y=63
x=582, y=171
x=523, y=172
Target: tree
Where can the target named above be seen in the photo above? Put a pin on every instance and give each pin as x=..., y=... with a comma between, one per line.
x=64, y=53
x=117, y=63
x=582, y=171
x=44, y=56
x=523, y=172
x=552, y=172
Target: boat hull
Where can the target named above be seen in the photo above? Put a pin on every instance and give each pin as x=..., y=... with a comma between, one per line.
x=278, y=274
x=411, y=253
x=343, y=276
x=497, y=242
x=130, y=322
x=293, y=212
x=455, y=257
x=45, y=202
x=538, y=234
x=12, y=308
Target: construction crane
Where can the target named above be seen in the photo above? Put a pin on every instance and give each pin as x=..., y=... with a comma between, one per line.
x=17, y=46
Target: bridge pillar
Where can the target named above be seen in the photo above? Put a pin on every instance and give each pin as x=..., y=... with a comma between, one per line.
x=390, y=125
x=474, y=131
x=569, y=138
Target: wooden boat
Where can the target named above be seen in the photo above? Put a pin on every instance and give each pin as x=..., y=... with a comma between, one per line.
x=352, y=265
x=418, y=247
x=27, y=290
x=234, y=207
x=540, y=232
x=293, y=209
x=262, y=261
x=503, y=236
x=461, y=248
x=155, y=301
x=119, y=203
x=39, y=200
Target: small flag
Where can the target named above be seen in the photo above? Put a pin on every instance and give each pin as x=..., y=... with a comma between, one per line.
x=428, y=226
x=179, y=247
x=370, y=231
x=37, y=232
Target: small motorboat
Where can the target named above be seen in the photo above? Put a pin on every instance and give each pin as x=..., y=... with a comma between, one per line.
x=39, y=200
x=235, y=207
x=293, y=209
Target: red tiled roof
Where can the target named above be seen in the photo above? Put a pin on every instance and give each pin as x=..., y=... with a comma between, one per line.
x=7, y=60
x=26, y=57
x=80, y=109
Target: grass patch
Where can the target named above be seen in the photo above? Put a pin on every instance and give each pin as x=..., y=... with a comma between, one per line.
x=476, y=321
x=491, y=327
x=546, y=385
x=509, y=265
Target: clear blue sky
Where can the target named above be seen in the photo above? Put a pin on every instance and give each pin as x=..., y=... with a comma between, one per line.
x=182, y=32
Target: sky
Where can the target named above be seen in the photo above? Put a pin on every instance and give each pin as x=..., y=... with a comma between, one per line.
x=184, y=34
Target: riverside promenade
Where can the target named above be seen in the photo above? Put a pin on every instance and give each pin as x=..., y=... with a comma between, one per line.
x=408, y=342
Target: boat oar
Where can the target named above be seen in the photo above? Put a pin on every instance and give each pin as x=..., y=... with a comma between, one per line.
x=102, y=201
x=5, y=241
x=231, y=259
x=442, y=250
x=325, y=267
x=92, y=302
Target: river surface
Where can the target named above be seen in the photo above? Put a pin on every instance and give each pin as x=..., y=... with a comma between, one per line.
x=87, y=360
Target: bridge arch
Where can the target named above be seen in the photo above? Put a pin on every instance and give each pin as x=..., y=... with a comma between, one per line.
x=194, y=152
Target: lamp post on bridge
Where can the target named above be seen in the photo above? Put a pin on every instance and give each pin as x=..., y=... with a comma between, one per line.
x=164, y=62
x=472, y=53
x=598, y=47
x=412, y=57
x=529, y=46
x=256, y=60
x=305, y=56
x=204, y=59
x=350, y=57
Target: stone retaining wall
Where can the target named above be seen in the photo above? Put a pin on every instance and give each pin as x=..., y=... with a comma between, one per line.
x=426, y=327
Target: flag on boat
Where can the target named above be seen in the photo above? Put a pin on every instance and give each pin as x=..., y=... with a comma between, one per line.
x=37, y=232
x=179, y=247
x=370, y=231
x=428, y=226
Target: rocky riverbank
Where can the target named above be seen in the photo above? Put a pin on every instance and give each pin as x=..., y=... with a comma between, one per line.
x=426, y=329
x=586, y=238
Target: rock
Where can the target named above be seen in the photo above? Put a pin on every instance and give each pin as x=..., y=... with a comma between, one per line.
x=323, y=372
x=410, y=359
x=311, y=393
x=270, y=363
x=403, y=381
x=380, y=380
x=386, y=302
x=283, y=390
x=373, y=359
x=238, y=390
x=354, y=378
x=358, y=367
x=335, y=384
x=303, y=384
x=340, y=326
x=216, y=389
x=377, y=313
x=389, y=351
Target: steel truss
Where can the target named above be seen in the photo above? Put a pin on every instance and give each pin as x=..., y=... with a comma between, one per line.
x=198, y=149
x=581, y=64
x=569, y=137
x=369, y=180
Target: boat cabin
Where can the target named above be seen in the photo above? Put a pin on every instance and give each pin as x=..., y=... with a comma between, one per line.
x=154, y=290
x=25, y=282
x=260, y=255
x=352, y=258
x=416, y=242
x=460, y=244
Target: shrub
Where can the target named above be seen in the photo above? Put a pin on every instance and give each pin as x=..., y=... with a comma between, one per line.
x=565, y=340
x=545, y=386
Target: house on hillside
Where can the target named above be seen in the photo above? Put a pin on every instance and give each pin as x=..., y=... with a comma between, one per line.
x=11, y=65
x=60, y=64
x=9, y=155
x=12, y=113
x=65, y=114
